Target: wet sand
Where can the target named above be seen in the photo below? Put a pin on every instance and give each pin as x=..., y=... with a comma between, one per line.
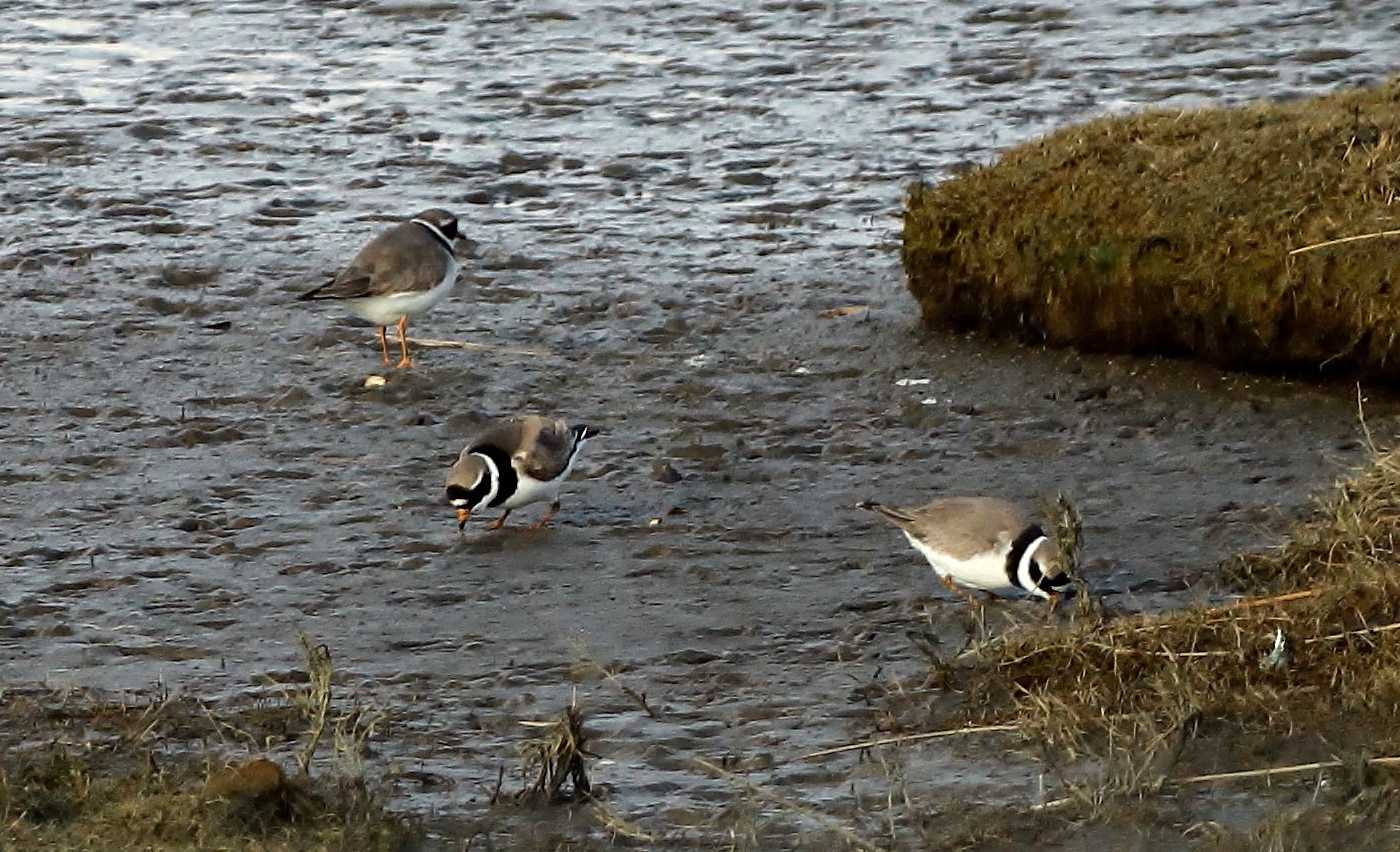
x=668, y=201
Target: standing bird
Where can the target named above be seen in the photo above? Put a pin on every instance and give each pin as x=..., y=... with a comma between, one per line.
x=982, y=543
x=512, y=463
x=399, y=274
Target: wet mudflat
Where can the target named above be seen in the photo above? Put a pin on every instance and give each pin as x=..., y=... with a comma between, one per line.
x=672, y=206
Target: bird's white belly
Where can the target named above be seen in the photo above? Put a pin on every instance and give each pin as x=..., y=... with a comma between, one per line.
x=387, y=310
x=530, y=490
x=985, y=571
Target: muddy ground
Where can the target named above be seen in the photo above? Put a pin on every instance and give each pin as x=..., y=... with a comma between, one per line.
x=669, y=203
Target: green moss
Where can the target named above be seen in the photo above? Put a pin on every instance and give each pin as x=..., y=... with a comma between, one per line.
x=1169, y=233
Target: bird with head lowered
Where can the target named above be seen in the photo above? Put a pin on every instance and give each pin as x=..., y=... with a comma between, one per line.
x=982, y=543
x=512, y=463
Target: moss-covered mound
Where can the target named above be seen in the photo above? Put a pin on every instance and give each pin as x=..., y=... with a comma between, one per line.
x=1170, y=232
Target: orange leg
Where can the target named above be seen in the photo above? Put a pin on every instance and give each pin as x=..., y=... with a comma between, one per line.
x=405, y=361
x=499, y=522
x=553, y=510
x=384, y=343
x=961, y=592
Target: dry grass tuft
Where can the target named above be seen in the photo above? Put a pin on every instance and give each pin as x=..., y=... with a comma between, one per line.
x=1308, y=668
x=556, y=759
x=1094, y=234
x=85, y=770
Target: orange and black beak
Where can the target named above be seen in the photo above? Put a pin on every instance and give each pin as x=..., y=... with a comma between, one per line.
x=462, y=514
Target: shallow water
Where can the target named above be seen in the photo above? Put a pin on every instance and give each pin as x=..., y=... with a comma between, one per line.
x=667, y=199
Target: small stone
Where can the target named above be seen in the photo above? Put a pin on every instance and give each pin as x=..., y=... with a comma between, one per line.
x=257, y=780
x=664, y=471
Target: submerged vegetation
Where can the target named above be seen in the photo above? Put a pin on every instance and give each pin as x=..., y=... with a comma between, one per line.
x=1170, y=232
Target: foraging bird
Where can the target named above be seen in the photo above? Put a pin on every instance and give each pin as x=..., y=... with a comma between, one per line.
x=512, y=463
x=982, y=543
x=399, y=274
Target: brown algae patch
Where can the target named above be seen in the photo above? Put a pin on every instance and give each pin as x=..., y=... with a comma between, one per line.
x=1169, y=232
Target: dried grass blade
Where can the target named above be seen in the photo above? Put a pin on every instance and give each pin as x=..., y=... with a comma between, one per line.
x=908, y=738
x=1269, y=772
x=1341, y=240
x=486, y=347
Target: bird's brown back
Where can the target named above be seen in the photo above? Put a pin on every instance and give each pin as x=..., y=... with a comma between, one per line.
x=961, y=527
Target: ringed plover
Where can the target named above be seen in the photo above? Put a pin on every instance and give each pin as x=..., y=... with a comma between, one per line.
x=982, y=543
x=399, y=274
x=514, y=462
